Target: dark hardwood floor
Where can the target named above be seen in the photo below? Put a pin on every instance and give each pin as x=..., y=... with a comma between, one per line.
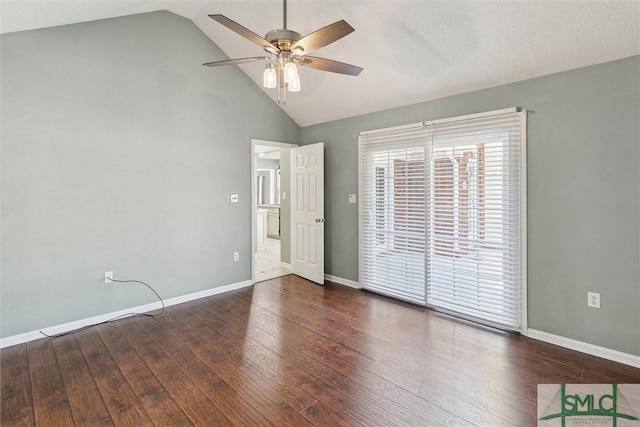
x=288, y=352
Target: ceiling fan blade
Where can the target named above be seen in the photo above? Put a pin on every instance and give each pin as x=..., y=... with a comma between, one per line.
x=329, y=65
x=244, y=32
x=236, y=61
x=323, y=37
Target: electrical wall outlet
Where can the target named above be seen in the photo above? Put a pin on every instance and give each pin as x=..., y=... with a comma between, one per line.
x=236, y=256
x=593, y=299
x=108, y=276
x=234, y=198
x=352, y=198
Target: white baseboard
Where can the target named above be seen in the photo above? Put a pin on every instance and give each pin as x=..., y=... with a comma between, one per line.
x=285, y=265
x=70, y=326
x=341, y=281
x=594, y=350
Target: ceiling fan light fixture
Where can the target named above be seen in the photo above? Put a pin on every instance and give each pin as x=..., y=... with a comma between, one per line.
x=294, y=83
x=286, y=49
x=270, y=77
x=290, y=72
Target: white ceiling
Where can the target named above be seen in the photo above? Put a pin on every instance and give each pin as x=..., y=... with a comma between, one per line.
x=411, y=51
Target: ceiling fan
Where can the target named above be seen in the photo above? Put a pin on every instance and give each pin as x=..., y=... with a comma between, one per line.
x=286, y=48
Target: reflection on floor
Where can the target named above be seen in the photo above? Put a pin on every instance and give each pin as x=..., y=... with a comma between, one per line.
x=267, y=262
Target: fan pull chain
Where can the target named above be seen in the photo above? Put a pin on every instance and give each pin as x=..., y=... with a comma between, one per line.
x=281, y=87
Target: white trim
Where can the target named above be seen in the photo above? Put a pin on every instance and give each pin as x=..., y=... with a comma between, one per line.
x=285, y=265
x=524, y=301
x=471, y=116
x=360, y=210
x=70, y=326
x=594, y=350
x=341, y=281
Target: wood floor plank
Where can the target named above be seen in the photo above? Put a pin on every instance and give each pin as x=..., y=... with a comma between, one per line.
x=300, y=380
x=312, y=304
x=157, y=402
x=233, y=394
x=311, y=363
x=121, y=401
x=284, y=297
x=298, y=369
x=50, y=400
x=310, y=329
x=22, y=420
x=362, y=408
x=85, y=399
x=195, y=403
x=235, y=407
x=434, y=414
x=258, y=361
x=389, y=414
x=327, y=351
x=450, y=398
x=266, y=397
x=250, y=356
x=212, y=329
x=323, y=415
x=16, y=383
x=308, y=344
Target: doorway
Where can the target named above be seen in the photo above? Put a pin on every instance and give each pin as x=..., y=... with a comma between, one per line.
x=270, y=212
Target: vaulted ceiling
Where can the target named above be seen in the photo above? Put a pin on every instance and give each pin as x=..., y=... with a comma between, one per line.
x=411, y=51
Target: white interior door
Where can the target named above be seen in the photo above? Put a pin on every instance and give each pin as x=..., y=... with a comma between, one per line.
x=307, y=212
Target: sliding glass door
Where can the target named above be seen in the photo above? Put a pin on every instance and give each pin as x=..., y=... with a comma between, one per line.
x=443, y=215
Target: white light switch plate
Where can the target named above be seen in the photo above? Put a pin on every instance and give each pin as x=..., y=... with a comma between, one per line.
x=234, y=198
x=352, y=198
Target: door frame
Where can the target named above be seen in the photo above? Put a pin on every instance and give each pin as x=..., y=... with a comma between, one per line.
x=254, y=194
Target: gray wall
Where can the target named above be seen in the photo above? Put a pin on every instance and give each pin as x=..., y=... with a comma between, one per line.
x=119, y=151
x=583, y=194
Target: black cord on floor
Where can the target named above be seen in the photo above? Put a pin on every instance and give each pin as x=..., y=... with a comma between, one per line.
x=117, y=317
x=152, y=290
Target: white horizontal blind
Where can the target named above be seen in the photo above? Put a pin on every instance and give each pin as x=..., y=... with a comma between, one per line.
x=392, y=212
x=475, y=226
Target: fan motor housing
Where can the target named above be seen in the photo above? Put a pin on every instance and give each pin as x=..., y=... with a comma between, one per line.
x=282, y=39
